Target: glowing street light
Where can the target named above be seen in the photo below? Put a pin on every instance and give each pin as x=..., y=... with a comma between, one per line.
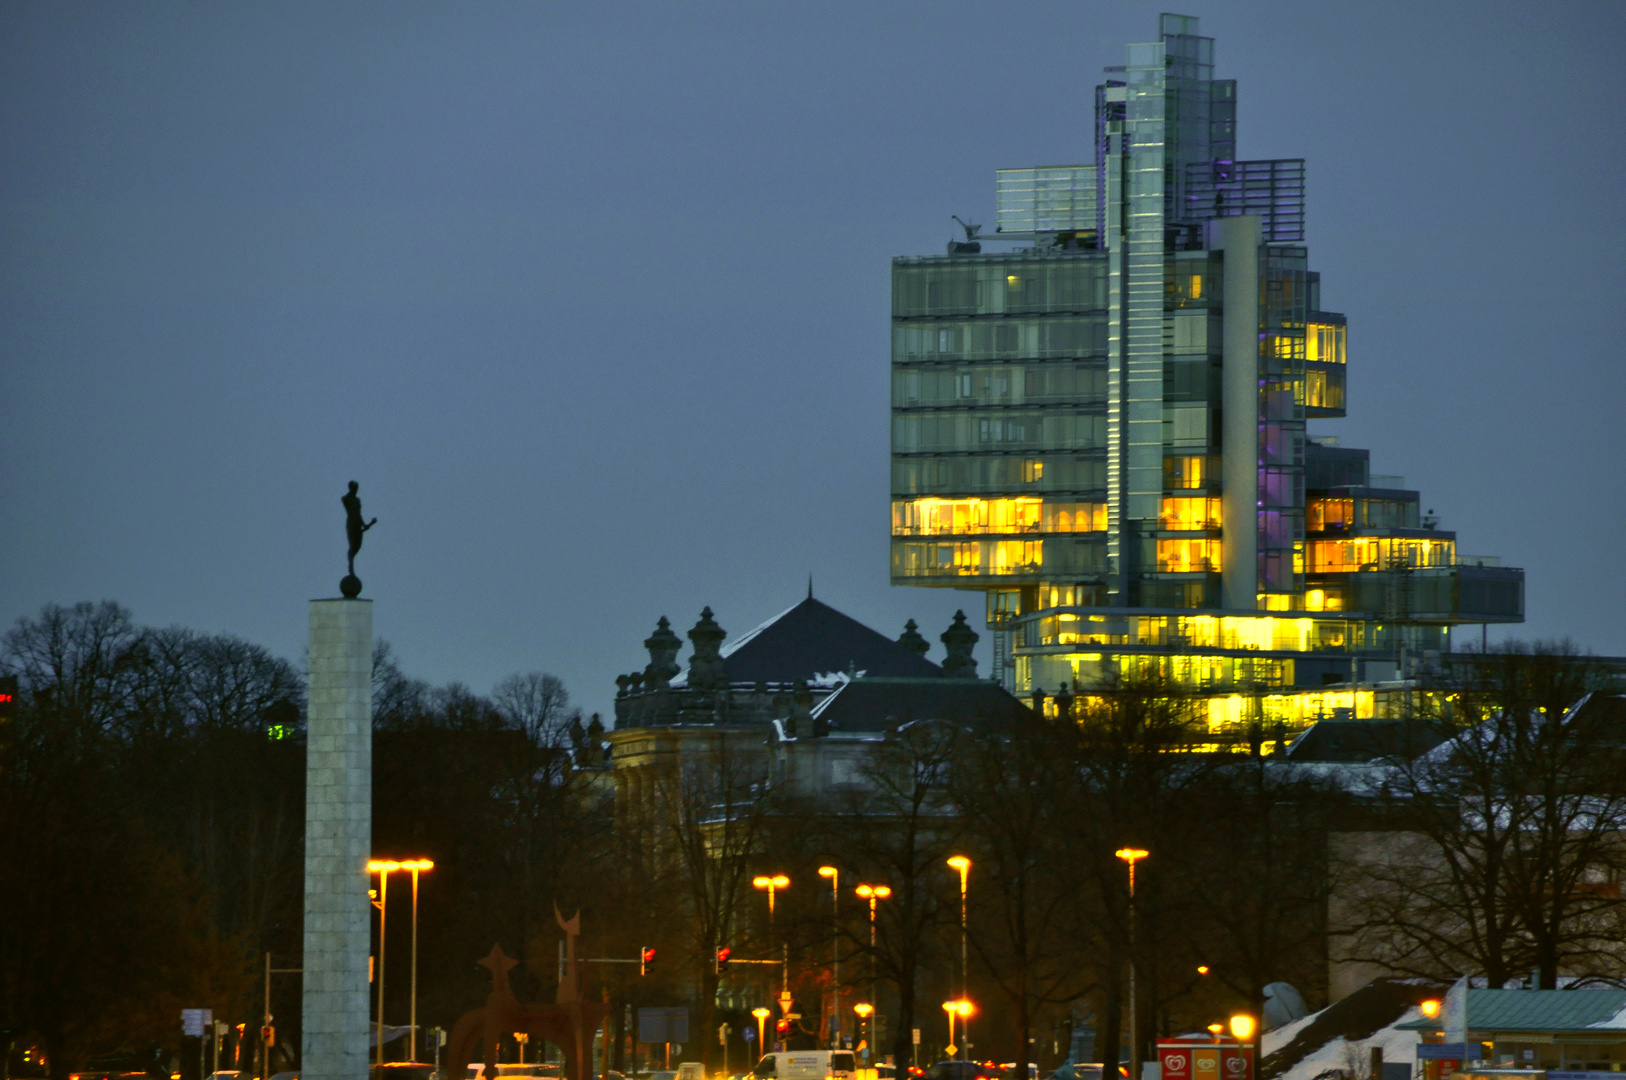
x=762, y=1015
x=773, y=885
x=962, y=865
x=1431, y=1008
x=835, y=949
x=383, y=868
x=1242, y=1027
x=872, y=893
x=1132, y=856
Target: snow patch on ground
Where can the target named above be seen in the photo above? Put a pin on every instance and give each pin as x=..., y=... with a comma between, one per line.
x=1341, y=1057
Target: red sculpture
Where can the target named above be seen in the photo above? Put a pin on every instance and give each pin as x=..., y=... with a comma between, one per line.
x=569, y=1023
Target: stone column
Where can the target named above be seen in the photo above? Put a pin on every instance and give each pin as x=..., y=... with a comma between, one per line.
x=338, y=840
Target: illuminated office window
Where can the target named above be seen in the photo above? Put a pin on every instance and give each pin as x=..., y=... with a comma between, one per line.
x=1187, y=556
x=1324, y=343
x=1188, y=513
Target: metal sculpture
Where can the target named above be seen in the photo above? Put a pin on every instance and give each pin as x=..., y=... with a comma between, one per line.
x=569, y=1023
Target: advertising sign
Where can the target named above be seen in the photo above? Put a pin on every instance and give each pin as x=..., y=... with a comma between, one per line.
x=1189, y=1059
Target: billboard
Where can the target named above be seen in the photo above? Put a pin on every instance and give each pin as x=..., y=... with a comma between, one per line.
x=1190, y=1059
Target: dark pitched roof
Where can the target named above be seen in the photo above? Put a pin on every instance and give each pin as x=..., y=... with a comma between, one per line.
x=1362, y=740
x=875, y=705
x=813, y=639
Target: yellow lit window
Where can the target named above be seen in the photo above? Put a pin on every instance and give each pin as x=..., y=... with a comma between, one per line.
x=1194, y=286
x=1323, y=514
x=1325, y=600
x=1378, y=553
x=1183, y=472
x=1324, y=343
x=1186, y=513
x=1187, y=556
x=1017, y=556
x=1032, y=471
x=1074, y=517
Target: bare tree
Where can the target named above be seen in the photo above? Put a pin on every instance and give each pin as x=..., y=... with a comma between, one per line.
x=537, y=704
x=1009, y=783
x=1505, y=842
x=709, y=813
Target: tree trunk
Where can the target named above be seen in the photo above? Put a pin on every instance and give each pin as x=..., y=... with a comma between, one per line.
x=903, y=1045
x=1107, y=1034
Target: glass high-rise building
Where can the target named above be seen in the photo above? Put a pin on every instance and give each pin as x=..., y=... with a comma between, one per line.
x=1102, y=426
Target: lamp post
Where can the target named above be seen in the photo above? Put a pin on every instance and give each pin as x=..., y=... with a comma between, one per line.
x=835, y=949
x=865, y=1010
x=963, y=1009
x=773, y=885
x=416, y=866
x=1132, y=856
x=762, y=1026
x=382, y=868
x=963, y=865
x=872, y=893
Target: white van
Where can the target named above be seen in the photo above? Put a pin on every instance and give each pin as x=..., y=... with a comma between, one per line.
x=806, y=1065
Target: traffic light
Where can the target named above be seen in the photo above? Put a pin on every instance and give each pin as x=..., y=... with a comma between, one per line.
x=8, y=698
x=722, y=957
x=646, y=957
x=268, y=1035
x=782, y=1026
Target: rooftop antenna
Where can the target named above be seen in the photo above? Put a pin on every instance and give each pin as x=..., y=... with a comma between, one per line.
x=810, y=586
x=971, y=231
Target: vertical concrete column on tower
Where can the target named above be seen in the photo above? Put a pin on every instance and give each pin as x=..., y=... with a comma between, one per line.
x=1238, y=237
x=338, y=840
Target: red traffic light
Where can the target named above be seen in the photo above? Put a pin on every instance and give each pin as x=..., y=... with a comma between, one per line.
x=781, y=1026
x=646, y=956
x=722, y=957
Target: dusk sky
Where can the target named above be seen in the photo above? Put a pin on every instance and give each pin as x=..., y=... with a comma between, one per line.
x=592, y=299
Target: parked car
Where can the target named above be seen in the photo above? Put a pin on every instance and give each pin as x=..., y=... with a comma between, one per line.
x=404, y=1070
x=963, y=1070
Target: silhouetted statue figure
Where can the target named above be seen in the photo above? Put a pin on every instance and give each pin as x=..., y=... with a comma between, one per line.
x=354, y=527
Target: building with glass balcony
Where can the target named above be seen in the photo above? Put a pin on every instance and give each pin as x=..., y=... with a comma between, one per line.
x=1099, y=419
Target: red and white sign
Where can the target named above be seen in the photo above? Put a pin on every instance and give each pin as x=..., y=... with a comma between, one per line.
x=1188, y=1059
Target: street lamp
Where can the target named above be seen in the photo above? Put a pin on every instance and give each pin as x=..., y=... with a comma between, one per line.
x=835, y=949
x=762, y=1026
x=1242, y=1027
x=963, y=865
x=865, y=1010
x=416, y=866
x=1132, y=856
x=872, y=893
x=963, y=1009
x=773, y=885
x=383, y=867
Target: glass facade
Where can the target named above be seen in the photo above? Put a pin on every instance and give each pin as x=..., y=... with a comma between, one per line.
x=1067, y=416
